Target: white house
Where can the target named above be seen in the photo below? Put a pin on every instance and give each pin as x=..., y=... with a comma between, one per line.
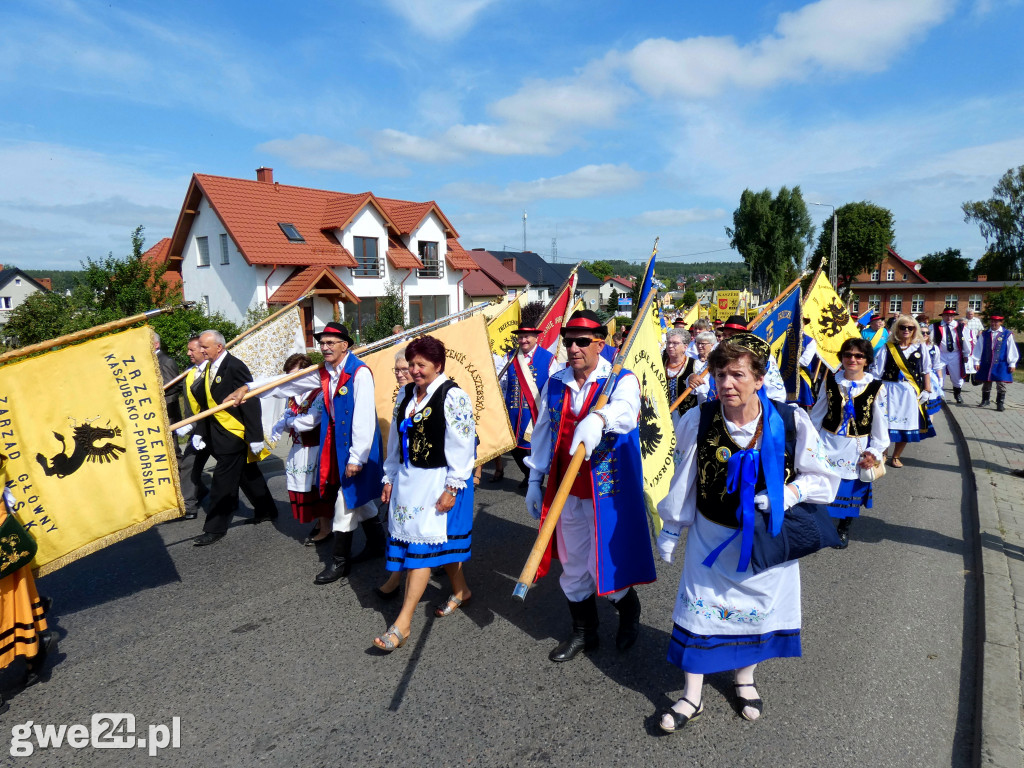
x=623, y=286
x=239, y=243
x=15, y=287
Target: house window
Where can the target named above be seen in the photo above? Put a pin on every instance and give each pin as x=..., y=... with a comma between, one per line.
x=905, y=277
x=874, y=275
x=427, y=309
x=203, y=244
x=890, y=274
x=204, y=301
x=17, y=281
x=224, y=259
x=291, y=232
x=895, y=303
x=874, y=301
x=917, y=304
x=511, y=293
x=368, y=258
x=951, y=301
x=431, y=264
x=855, y=305
x=5, y=302
x=974, y=302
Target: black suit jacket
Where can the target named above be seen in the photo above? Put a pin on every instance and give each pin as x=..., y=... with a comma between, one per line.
x=231, y=375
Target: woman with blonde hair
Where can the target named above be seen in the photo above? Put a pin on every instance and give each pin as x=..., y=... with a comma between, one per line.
x=904, y=365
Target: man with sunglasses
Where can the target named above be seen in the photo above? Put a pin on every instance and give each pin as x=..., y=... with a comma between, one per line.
x=955, y=342
x=996, y=356
x=601, y=538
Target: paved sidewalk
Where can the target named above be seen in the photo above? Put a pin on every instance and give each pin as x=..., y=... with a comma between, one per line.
x=995, y=445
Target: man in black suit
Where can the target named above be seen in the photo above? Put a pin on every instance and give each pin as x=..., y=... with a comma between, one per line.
x=192, y=462
x=235, y=439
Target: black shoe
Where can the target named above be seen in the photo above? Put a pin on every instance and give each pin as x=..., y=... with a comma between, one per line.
x=843, y=530
x=984, y=402
x=376, y=541
x=191, y=515
x=257, y=519
x=47, y=641
x=47, y=603
x=523, y=483
x=1000, y=404
x=584, y=631
x=956, y=395
x=339, y=568
x=387, y=597
x=205, y=539
x=629, y=620
x=496, y=478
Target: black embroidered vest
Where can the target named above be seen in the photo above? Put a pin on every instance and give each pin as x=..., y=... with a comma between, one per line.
x=426, y=435
x=892, y=370
x=714, y=447
x=677, y=384
x=860, y=425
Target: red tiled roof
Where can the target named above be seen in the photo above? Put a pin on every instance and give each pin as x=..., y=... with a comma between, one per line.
x=478, y=284
x=909, y=265
x=458, y=257
x=301, y=281
x=498, y=272
x=407, y=215
x=401, y=257
x=157, y=255
x=621, y=281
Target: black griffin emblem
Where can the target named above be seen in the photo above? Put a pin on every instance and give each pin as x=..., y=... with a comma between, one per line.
x=85, y=449
x=833, y=319
x=650, y=429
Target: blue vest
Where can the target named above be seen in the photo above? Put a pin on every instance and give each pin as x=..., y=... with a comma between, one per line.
x=623, y=542
x=366, y=485
x=518, y=411
x=998, y=369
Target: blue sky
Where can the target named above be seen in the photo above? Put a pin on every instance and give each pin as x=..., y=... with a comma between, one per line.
x=610, y=123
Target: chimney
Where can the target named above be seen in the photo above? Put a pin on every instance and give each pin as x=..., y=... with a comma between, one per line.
x=265, y=174
x=46, y=282
x=509, y=263
x=982, y=278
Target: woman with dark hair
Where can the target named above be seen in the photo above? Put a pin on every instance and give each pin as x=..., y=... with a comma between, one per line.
x=727, y=617
x=431, y=452
x=851, y=417
x=301, y=422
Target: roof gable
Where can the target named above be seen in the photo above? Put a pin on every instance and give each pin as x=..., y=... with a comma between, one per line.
x=408, y=215
x=907, y=264
x=305, y=280
x=496, y=271
x=6, y=275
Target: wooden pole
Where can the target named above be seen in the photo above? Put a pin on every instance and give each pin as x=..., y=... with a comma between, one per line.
x=687, y=391
x=547, y=530
x=88, y=333
x=774, y=302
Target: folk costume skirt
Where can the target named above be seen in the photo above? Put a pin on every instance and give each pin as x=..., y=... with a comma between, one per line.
x=853, y=494
x=726, y=620
x=402, y=555
x=904, y=414
x=21, y=616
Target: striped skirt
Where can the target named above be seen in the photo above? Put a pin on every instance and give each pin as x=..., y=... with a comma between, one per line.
x=21, y=616
x=853, y=494
x=402, y=556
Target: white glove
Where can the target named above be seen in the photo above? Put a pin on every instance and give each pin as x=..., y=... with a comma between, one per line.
x=588, y=434
x=667, y=542
x=257, y=448
x=279, y=428
x=534, y=499
x=924, y=397
x=789, y=498
x=184, y=431
x=762, y=502
x=198, y=443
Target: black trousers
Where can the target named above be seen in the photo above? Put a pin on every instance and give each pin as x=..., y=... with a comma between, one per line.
x=519, y=455
x=231, y=474
x=190, y=469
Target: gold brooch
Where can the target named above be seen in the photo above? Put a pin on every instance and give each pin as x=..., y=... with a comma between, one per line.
x=426, y=412
x=343, y=391
x=723, y=454
x=418, y=418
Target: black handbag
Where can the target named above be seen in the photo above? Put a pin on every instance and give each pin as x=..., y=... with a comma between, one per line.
x=806, y=528
x=17, y=547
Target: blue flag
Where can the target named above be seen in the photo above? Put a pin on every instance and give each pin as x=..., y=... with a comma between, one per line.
x=648, y=284
x=781, y=328
x=864, y=319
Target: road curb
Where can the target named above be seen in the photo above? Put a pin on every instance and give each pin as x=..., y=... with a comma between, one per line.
x=999, y=735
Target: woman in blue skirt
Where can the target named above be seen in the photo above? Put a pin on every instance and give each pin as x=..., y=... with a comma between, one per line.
x=851, y=417
x=431, y=452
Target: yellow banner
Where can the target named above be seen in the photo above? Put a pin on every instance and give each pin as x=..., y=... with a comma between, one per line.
x=829, y=322
x=86, y=434
x=727, y=301
x=657, y=437
x=691, y=316
x=501, y=329
x=470, y=365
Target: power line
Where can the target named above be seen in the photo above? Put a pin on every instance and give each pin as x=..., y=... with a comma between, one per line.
x=698, y=253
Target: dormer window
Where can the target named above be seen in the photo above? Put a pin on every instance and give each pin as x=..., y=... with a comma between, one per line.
x=291, y=233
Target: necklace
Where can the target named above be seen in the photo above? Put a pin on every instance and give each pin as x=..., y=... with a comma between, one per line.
x=757, y=432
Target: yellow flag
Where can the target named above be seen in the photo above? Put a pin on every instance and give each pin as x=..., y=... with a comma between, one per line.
x=691, y=316
x=469, y=363
x=657, y=437
x=89, y=446
x=611, y=332
x=501, y=329
x=829, y=323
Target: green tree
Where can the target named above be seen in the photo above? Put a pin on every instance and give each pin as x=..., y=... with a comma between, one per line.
x=1001, y=217
x=689, y=298
x=948, y=265
x=772, y=234
x=865, y=230
x=1008, y=302
x=256, y=313
x=40, y=317
x=390, y=313
x=613, y=301
x=602, y=270
x=176, y=328
x=995, y=266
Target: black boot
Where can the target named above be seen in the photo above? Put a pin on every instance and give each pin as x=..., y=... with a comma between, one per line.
x=47, y=642
x=584, y=630
x=1001, y=401
x=341, y=563
x=629, y=620
x=984, y=399
x=843, y=529
x=956, y=395
x=376, y=541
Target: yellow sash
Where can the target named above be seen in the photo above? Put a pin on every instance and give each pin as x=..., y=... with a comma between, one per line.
x=233, y=425
x=901, y=363
x=190, y=379
x=877, y=337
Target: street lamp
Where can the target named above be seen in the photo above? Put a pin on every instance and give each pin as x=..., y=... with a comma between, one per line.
x=833, y=258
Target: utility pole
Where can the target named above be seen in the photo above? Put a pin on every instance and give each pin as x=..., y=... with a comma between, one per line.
x=524, y=231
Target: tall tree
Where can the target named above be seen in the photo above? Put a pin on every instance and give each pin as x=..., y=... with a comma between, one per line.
x=995, y=266
x=1001, y=217
x=1009, y=303
x=772, y=234
x=948, y=265
x=602, y=270
x=865, y=230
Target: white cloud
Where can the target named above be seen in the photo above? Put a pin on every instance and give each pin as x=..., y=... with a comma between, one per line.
x=441, y=21
x=324, y=154
x=413, y=147
x=677, y=217
x=588, y=181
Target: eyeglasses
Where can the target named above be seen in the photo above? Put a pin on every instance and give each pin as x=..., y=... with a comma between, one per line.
x=401, y=370
x=580, y=341
x=853, y=355
x=330, y=344
x=907, y=327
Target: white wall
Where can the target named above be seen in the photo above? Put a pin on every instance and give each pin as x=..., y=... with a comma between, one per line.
x=17, y=290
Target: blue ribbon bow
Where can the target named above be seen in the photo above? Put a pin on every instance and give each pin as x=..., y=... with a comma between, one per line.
x=403, y=431
x=848, y=411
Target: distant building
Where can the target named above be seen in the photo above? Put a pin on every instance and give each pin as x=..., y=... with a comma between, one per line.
x=15, y=287
x=546, y=278
x=493, y=281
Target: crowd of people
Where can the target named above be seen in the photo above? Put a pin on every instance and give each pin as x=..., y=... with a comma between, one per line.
x=747, y=450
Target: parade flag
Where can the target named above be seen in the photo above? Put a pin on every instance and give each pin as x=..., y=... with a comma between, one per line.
x=501, y=329
x=551, y=324
x=865, y=319
x=264, y=352
x=657, y=436
x=829, y=322
x=469, y=364
x=691, y=316
x=781, y=329
x=91, y=458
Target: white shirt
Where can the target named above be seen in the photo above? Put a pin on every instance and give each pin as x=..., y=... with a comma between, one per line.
x=843, y=450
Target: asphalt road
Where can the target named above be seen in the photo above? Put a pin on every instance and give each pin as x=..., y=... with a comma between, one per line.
x=264, y=668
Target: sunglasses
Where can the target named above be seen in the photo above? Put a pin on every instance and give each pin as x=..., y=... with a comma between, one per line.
x=580, y=341
x=907, y=327
x=853, y=355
